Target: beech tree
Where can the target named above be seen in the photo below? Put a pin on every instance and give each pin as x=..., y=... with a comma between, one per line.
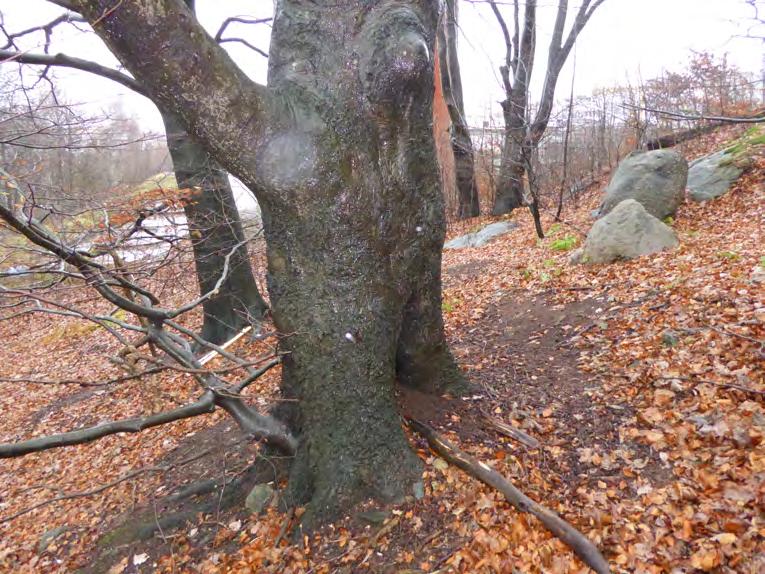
x=214, y=223
x=451, y=83
x=522, y=132
x=340, y=154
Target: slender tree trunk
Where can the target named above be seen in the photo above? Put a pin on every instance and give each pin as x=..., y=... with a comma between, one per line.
x=215, y=229
x=512, y=171
x=451, y=83
x=354, y=242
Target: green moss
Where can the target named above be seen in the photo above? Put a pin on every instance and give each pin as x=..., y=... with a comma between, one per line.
x=729, y=255
x=741, y=149
x=564, y=244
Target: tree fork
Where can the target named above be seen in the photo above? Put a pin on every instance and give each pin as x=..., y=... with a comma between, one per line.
x=339, y=151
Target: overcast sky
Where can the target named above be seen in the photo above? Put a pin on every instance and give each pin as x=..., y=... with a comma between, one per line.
x=626, y=39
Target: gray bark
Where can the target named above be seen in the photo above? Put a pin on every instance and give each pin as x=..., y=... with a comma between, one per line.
x=215, y=228
x=340, y=154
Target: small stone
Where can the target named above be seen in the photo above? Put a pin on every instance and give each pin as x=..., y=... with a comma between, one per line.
x=419, y=490
x=374, y=516
x=48, y=537
x=677, y=386
x=670, y=338
x=259, y=497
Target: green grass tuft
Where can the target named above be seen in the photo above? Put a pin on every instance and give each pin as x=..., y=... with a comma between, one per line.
x=564, y=244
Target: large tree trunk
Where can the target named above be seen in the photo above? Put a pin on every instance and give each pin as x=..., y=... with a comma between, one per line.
x=340, y=153
x=451, y=83
x=355, y=241
x=215, y=229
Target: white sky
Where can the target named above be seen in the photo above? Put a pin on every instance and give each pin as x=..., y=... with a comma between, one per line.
x=624, y=39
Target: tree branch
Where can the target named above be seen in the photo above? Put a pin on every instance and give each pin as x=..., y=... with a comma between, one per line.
x=64, y=61
x=206, y=404
x=578, y=542
x=195, y=79
x=679, y=117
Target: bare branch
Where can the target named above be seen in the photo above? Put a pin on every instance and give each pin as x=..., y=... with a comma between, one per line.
x=64, y=61
x=108, y=485
x=578, y=542
x=206, y=404
x=679, y=116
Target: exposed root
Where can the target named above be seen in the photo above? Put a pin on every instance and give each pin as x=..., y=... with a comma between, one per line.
x=578, y=542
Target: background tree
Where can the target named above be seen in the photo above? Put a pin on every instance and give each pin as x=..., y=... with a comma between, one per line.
x=451, y=84
x=213, y=219
x=523, y=133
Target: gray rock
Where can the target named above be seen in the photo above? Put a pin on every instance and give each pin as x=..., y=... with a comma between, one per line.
x=259, y=497
x=481, y=237
x=670, y=338
x=628, y=231
x=712, y=176
x=374, y=516
x=656, y=179
x=49, y=536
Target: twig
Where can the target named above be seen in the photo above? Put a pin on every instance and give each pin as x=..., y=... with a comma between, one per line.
x=513, y=433
x=678, y=116
x=108, y=485
x=734, y=386
x=580, y=544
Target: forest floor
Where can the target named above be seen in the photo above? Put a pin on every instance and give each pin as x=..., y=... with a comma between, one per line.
x=643, y=382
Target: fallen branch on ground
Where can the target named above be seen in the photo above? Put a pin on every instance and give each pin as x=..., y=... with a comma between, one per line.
x=108, y=485
x=512, y=432
x=578, y=542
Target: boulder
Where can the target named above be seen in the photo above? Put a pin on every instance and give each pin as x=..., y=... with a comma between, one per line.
x=628, y=231
x=656, y=179
x=712, y=176
x=481, y=237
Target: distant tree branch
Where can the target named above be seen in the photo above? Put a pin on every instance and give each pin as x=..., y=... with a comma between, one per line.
x=680, y=116
x=241, y=20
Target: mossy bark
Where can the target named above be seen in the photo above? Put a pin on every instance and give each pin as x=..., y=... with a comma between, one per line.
x=339, y=151
x=355, y=238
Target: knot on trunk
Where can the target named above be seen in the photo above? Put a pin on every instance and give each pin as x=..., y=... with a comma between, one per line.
x=395, y=59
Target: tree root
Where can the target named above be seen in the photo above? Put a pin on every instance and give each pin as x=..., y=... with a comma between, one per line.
x=582, y=547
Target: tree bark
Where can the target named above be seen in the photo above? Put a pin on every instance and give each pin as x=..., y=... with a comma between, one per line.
x=340, y=153
x=215, y=228
x=451, y=83
x=355, y=250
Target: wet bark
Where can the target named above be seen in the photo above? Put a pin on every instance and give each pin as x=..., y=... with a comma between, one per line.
x=215, y=229
x=340, y=153
x=451, y=83
x=355, y=244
